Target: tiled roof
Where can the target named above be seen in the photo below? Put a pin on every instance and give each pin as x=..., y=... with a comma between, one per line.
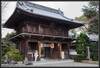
x=93, y=37
x=41, y=10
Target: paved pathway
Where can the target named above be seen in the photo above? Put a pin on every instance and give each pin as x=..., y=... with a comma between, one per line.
x=53, y=63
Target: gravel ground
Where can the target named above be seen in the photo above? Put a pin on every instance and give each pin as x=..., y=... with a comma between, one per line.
x=62, y=63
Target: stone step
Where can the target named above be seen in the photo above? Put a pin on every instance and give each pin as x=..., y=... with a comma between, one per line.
x=52, y=61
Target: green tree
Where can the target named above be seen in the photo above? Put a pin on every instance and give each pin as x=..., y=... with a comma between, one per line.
x=94, y=51
x=91, y=17
x=91, y=12
x=6, y=43
x=82, y=42
x=14, y=54
x=9, y=49
x=81, y=18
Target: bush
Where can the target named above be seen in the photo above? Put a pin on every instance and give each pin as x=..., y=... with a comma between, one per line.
x=79, y=58
x=14, y=54
x=2, y=59
x=82, y=42
x=94, y=51
x=17, y=57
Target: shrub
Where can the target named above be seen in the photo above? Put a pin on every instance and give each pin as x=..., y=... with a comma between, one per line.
x=2, y=59
x=79, y=58
x=82, y=42
x=94, y=51
x=14, y=54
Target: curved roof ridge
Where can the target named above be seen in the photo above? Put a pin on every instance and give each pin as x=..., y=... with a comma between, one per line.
x=40, y=7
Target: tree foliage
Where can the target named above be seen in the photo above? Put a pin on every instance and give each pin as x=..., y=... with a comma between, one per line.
x=91, y=12
x=82, y=42
x=14, y=54
x=6, y=43
x=9, y=49
x=94, y=51
x=81, y=18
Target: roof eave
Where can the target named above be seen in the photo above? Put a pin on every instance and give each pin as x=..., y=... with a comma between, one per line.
x=76, y=24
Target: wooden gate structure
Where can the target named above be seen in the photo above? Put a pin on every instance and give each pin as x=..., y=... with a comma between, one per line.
x=41, y=28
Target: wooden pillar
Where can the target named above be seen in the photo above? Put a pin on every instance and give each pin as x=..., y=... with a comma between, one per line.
x=19, y=47
x=40, y=29
x=68, y=45
x=39, y=48
x=59, y=44
x=52, y=47
x=27, y=27
x=26, y=47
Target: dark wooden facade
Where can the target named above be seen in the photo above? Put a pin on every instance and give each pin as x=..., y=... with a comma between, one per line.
x=36, y=32
x=47, y=45
x=43, y=28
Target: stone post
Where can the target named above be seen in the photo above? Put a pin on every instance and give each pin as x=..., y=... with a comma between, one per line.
x=88, y=51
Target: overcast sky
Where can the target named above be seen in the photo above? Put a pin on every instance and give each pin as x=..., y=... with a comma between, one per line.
x=71, y=9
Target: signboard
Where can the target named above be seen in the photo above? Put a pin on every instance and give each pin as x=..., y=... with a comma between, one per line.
x=46, y=45
x=52, y=45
